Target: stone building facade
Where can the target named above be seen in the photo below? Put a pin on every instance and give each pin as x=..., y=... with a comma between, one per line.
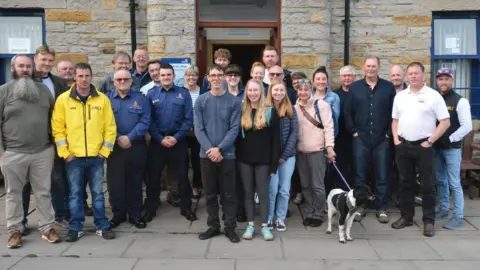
x=312, y=32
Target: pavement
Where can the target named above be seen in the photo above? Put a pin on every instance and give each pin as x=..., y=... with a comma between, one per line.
x=171, y=242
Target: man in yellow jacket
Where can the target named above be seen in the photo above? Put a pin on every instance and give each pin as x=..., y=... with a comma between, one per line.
x=84, y=128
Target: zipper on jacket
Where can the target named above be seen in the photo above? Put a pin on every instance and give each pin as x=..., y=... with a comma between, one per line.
x=89, y=110
x=85, y=128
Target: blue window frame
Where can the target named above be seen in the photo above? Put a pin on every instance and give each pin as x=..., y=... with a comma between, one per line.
x=30, y=32
x=456, y=44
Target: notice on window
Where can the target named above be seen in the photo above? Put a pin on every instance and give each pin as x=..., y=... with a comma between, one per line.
x=452, y=44
x=18, y=45
x=179, y=65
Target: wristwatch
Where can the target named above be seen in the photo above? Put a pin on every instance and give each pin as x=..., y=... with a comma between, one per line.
x=429, y=142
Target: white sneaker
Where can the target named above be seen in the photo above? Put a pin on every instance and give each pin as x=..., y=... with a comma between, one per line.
x=281, y=227
x=257, y=200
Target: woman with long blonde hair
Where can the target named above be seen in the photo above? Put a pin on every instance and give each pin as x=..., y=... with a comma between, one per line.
x=258, y=153
x=280, y=182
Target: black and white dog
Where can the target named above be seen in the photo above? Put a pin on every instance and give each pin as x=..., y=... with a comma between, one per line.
x=345, y=205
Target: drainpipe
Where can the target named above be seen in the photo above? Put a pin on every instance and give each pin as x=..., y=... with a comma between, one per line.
x=133, y=26
x=346, y=21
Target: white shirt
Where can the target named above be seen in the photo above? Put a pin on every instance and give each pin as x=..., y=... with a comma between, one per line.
x=147, y=87
x=48, y=82
x=417, y=113
x=465, y=120
x=266, y=79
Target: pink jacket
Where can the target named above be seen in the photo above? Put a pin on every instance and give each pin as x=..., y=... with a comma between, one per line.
x=311, y=138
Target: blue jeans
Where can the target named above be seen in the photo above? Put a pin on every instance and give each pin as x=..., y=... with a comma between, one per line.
x=280, y=189
x=447, y=175
x=90, y=168
x=380, y=156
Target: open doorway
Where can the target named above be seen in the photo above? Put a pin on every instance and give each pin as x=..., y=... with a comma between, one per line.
x=243, y=55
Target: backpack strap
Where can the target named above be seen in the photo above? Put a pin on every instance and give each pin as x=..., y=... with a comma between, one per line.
x=317, y=112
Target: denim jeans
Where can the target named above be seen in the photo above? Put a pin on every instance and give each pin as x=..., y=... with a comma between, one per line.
x=280, y=189
x=363, y=154
x=447, y=175
x=77, y=170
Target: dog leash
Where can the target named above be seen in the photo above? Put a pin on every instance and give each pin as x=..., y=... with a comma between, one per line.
x=341, y=175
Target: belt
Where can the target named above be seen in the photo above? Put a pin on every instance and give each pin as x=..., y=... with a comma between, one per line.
x=413, y=142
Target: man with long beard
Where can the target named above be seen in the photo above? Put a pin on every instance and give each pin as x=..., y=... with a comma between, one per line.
x=26, y=150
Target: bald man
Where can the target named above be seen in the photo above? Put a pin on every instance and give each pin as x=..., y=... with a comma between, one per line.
x=397, y=77
x=140, y=67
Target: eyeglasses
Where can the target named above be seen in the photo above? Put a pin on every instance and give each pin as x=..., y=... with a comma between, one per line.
x=275, y=74
x=191, y=75
x=216, y=75
x=122, y=79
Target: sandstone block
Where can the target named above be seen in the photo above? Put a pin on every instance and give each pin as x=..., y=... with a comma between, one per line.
x=295, y=18
x=300, y=61
x=74, y=57
x=109, y=4
x=171, y=2
x=67, y=15
x=305, y=31
x=165, y=28
x=157, y=14
x=55, y=26
x=317, y=17
x=390, y=30
x=449, y=5
x=156, y=44
x=413, y=20
x=82, y=28
x=111, y=16
x=81, y=4
x=408, y=60
x=180, y=44
x=296, y=50
x=33, y=3
x=108, y=51
x=304, y=3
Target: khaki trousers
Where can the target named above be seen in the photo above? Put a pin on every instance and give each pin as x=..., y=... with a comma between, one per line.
x=16, y=169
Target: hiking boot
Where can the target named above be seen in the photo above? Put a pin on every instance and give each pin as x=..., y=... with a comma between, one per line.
x=72, y=236
x=51, y=236
x=454, y=223
x=14, y=240
x=267, y=234
x=382, y=216
x=211, y=232
x=249, y=232
x=107, y=234
x=441, y=215
x=361, y=212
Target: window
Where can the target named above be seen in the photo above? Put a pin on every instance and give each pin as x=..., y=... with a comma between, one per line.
x=455, y=44
x=21, y=32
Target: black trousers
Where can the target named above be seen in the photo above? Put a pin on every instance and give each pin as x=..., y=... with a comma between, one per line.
x=408, y=156
x=219, y=178
x=195, y=160
x=344, y=162
x=255, y=178
x=175, y=157
x=125, y=169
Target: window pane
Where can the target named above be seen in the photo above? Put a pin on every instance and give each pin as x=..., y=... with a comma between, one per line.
x=20, y=34
x=462, y=74
x=455, y=36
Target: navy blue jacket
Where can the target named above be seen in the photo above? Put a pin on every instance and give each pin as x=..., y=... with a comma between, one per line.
x=172, y=112
x=369, y=111
x=288, y=136
x=132, y=114
x=292, y=95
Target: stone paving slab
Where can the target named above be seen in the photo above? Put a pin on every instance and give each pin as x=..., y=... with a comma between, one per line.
x=6, y=262
x=446, y=265
x=318, y=249
x=167, y=246
x=184, y=264
x=255, y=249
x=75, y=263
x=474, y=221
x=369, y=265
x=91, y=246
x=280, y=265
x=461, y=249
x=32, y=244
x=404, y=250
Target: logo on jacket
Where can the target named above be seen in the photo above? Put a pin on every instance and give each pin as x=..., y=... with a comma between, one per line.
x=180, y=96
x=135, y=105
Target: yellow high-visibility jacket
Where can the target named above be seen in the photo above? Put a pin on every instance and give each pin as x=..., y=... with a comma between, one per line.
x=83, y=129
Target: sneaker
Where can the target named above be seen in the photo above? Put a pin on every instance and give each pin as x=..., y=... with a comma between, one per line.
x=382, y=216
x=14, y=240
x=231, y=235
x=51, y=236
x=62, y=223
x=107, y=234
x=454, y=223
x=267, y=234
x=73, y=236
x=26, y=230
x=360, y=214
x=270, y=224
x=298, y=199
x=441, y=215
x=257, y=199
x=281, y=225
x=249, y=231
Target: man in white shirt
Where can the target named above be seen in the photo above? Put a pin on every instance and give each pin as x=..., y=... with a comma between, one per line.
x=153, y=67
x=415, y=113
x=448, y=152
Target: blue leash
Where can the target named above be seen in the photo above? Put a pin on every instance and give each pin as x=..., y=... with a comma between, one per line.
x=341, y=175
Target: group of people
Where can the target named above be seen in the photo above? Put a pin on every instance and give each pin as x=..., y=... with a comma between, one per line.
x=265, y=142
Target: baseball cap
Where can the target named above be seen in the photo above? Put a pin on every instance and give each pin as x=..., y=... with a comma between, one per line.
x=445, y=71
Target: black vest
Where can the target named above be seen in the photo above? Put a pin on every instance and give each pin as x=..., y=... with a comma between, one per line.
x=451, y=99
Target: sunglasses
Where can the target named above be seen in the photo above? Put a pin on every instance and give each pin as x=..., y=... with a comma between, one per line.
x=445, y=71
x=122, y=79
x=276, y=74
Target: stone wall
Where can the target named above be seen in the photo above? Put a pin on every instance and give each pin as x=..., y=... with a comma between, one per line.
x=305, y=32
x=89, y=30
x=397, y=31
x=171, y=28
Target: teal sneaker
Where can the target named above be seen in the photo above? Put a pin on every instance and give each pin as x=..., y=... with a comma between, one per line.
x=441, y=215
x=454, y=223
x=267, y=234
x=249, y=231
